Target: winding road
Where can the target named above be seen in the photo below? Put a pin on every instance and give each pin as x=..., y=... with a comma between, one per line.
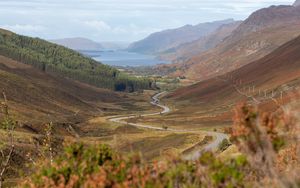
x=213, y=146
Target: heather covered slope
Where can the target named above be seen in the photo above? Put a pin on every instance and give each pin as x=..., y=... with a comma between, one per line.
x=168, y=39
x=260, y=34
x=276, y=69
x=57, y=60
x=209, y=103
x=35, y=96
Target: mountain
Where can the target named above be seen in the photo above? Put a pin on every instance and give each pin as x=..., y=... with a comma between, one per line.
x=276, y=73
x=184, y=51
x=60, y=61
x=297, y=3
x=167, y=39
x=83, y=44
x=276, y=69
x=260, y=34
x=78, y=43
x=268, y=17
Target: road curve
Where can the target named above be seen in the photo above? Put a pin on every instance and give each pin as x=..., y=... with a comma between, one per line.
x=219, y=137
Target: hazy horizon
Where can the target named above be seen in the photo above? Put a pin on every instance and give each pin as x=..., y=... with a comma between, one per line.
x=117, y=20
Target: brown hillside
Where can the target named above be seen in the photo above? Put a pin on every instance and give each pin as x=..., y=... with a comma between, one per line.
x=210, y=102
x=36, y=97
x=280, y=67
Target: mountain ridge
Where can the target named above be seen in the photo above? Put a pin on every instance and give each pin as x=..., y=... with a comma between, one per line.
x=167, y=39
x=268, y=17
x=184, y=51
x=78, y=43
x=297, y=3
x=85, y=44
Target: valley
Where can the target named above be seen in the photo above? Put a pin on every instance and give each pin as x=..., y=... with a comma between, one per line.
x=211, y=104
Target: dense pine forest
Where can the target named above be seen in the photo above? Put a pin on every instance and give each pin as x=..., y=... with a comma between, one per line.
x=58, y=60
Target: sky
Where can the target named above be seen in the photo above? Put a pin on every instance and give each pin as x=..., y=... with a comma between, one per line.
x=118, y=20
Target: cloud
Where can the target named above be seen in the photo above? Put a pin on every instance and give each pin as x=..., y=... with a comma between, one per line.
x=26, y=28
x=98, y=25
x=117, y=19
x=100, y=30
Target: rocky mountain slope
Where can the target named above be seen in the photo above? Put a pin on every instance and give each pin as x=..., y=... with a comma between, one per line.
x=164, y=40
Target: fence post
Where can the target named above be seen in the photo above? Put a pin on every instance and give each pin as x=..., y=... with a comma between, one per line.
x=265, y=93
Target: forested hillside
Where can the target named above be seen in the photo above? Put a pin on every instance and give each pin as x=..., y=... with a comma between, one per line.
x=58, y=60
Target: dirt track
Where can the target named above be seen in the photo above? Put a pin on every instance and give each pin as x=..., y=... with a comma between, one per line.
x=218, y=137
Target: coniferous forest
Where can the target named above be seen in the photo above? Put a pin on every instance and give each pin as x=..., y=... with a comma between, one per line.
x=58, y=60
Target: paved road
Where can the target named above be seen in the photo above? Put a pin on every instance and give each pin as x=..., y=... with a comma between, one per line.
x=219, y=137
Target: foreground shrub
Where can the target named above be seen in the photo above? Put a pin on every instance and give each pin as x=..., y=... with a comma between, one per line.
x=270, y=142
x=74, y=164
x=88, y=166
